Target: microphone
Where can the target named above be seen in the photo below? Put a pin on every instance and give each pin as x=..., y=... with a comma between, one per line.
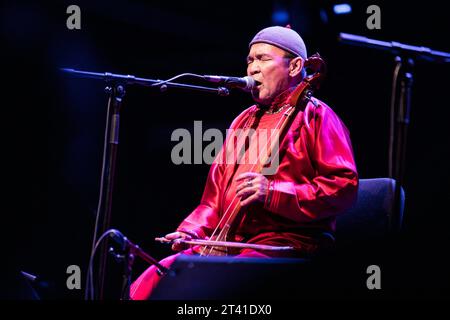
x=245, y=83
x=123, y=241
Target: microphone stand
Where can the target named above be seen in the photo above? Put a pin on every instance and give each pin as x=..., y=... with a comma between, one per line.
x=130, y=79
x=400, y=108
x=116, y=94
x=116, y=90
x=401, y=114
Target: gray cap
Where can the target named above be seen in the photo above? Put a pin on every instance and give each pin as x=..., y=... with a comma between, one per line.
x=282, y=37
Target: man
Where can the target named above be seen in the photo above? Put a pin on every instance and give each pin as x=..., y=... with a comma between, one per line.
x=316, y=178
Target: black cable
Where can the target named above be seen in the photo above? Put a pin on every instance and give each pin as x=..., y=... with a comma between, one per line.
x=100, y=199
x=176, y=77
x=392, y=116
x=91, y=260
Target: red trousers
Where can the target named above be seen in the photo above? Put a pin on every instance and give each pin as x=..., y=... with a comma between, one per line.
x=143, y=287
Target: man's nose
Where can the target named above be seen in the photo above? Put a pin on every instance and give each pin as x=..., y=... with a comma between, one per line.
x=253, y=68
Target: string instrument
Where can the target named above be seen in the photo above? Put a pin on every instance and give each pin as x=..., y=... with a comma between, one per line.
x=219, y=244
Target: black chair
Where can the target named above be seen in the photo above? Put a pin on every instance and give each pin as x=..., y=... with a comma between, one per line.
x=369, y=218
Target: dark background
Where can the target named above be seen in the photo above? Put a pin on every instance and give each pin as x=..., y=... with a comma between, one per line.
x=53, y=124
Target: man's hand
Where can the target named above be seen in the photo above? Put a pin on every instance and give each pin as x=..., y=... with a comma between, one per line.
x=252, y=187
x=178, y=235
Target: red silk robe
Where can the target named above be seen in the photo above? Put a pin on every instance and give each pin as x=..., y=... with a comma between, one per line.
x=316, y=180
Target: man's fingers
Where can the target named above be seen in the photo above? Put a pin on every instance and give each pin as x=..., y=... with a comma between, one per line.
x=249, y=200
x=256, y=182
x=177, y=235
x=178, y=246
x=244, y=193
x=173, y=235
x=247, y=175
x=245, y=185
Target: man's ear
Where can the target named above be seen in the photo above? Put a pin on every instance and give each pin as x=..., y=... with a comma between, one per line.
x=295, y=66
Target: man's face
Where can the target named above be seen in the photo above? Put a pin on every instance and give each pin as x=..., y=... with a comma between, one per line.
x=267, y=64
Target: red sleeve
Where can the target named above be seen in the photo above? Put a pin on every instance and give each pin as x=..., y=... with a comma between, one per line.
x=333, y=186
x=202, y=221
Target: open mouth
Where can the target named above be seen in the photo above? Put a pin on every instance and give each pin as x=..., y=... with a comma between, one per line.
x=256, y=87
